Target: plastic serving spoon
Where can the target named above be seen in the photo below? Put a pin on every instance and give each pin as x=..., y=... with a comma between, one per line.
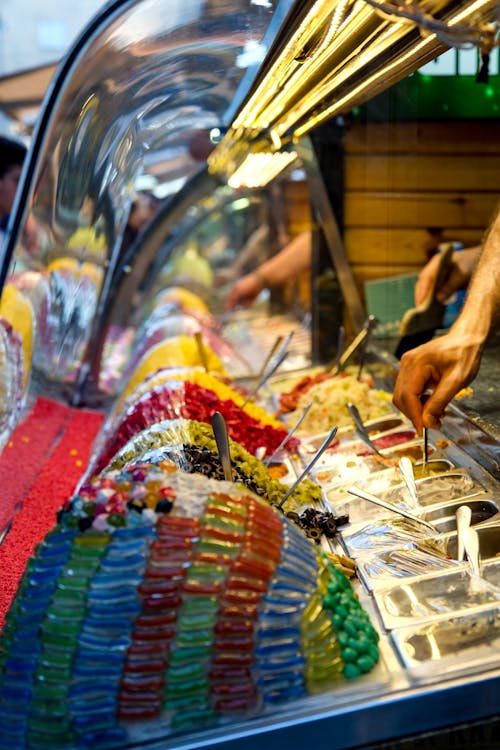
x=463, y=516
x=201, y=350
x=471, y=544
x=406, y=468
x=377, y=501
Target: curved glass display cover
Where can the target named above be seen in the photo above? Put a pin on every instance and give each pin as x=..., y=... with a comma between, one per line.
x=142, y=95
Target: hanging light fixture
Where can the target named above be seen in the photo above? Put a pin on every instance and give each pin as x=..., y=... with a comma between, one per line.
x=336, y=55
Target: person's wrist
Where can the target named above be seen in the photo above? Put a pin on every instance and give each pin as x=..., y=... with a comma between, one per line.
x=261, y=278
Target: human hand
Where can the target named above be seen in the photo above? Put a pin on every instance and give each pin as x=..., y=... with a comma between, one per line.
x=463, y=263
x=223, y=276
x=443, y=366
x=243, y=293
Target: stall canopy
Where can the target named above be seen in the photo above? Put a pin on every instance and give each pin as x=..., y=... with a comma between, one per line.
x=21, y=94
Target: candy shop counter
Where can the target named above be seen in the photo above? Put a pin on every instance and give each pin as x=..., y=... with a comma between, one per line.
x=437, y=682
x=435, y=679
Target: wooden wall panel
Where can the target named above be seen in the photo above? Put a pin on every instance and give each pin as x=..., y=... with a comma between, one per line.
x=410, y=186
x=387, y=247
x=421, y=172
x=428, y=209
x=466, y=137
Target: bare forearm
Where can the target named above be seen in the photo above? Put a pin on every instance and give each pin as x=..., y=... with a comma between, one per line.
x=289, y=262
x=448, y=363
x=481, y=311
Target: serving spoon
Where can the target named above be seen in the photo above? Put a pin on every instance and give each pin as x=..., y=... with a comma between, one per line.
x=377, y=501
x=222, y=439
x=273, y=364
x=340, y=363
x=405, y=466
x=324, y=445
x=201, y=350
x=471, y=544
x=289, y=434
x=463, y=516
x=361, y=430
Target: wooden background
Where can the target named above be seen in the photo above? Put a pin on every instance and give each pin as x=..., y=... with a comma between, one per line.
x=409, y=186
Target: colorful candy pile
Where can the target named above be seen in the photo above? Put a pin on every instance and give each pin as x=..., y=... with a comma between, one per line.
x=191, y=400
x=191, y=445
x=166, y=595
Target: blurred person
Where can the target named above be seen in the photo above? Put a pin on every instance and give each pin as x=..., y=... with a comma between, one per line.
x=143, y=208
x=450, y=362
x=286, y=265
x=12, y=155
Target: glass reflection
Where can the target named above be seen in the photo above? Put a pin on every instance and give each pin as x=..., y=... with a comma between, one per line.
x=188, y=271
x=138, y=94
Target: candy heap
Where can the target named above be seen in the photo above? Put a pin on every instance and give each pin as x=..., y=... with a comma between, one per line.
x=191, y=445
x=194, y=395
x=160, y=594
x=173, y=352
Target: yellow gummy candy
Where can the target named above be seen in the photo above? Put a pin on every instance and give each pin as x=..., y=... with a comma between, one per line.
x=17, y=310
x=176, y=352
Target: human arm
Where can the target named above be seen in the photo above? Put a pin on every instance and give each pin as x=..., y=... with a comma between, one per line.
x=463, y=264
x=449, y=363
x=288, y=263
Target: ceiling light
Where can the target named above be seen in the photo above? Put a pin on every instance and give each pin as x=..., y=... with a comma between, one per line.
x=335, y=57
x=257, y=170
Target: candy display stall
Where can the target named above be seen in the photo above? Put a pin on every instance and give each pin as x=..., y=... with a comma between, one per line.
x=147, y=600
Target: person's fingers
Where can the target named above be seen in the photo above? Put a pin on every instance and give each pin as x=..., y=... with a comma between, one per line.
x=411, y=407
x=436, y=404
x=422, y=287
x=415, y=377
x=419, y=376
x=231, y=300
x=243, y=293
x=449, y=285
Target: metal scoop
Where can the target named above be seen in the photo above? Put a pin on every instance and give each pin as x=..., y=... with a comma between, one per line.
x=324, y=445
x=377, y=501
x=221, y=438
x=360, y=340
x=289, y=433
x=275, y=361
x=272, y=351
x=493, y=520
x=361, y=430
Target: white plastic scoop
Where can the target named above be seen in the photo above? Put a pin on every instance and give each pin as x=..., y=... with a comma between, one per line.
x=406, y=468
x=471, y=544
x=463, y=517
